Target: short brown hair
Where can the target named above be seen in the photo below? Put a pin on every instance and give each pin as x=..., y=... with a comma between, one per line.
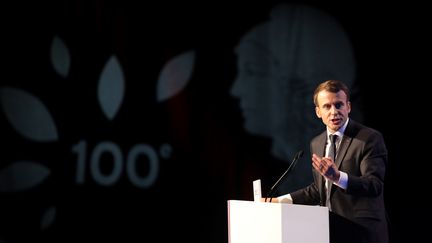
x=333, y=86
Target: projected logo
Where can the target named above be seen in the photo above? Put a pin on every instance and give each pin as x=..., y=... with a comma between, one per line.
x=32, y=120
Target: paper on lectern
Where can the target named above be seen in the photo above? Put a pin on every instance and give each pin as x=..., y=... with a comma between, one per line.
x=257, y=190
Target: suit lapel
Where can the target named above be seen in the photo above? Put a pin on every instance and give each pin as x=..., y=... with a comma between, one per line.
x=343, y=148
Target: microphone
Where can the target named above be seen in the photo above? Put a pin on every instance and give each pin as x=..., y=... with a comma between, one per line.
x=298, y=155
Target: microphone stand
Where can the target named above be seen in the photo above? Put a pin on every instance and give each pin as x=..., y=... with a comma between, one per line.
x=278, y=182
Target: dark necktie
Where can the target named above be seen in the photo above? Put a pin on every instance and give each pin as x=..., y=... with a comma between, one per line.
x=332, y=149
x=331, y=154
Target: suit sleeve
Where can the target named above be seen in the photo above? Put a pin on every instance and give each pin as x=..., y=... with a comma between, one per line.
x=307, y=196
x=372, y=163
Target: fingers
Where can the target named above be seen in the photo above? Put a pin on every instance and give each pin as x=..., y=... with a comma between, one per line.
x=322, y=165
x=326, y=167
x=272, y=199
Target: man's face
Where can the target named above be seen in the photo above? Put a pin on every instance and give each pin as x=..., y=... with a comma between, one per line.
x=333, y=109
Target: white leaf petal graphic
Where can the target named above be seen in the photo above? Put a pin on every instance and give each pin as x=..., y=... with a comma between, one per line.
x=175, y=75
x=22, y=175
x=111, y=88
x=28, y=115
x=48, y=217
x=60, y=57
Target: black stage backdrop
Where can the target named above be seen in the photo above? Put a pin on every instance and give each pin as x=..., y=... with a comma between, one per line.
x=138, y=121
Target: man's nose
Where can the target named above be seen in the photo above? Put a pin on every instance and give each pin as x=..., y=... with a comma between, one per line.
x=333, y=109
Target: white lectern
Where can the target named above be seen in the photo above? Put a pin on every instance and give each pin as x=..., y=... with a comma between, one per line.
x=260, y=222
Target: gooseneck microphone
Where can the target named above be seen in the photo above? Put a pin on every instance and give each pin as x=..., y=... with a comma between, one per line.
x=298, y=155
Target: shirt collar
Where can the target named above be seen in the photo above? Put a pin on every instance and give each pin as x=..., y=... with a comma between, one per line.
x=339, y=132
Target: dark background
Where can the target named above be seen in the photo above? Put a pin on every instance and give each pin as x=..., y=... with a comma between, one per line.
x=213, y=158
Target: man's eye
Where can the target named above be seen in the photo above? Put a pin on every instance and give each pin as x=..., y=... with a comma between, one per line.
x=338, y=105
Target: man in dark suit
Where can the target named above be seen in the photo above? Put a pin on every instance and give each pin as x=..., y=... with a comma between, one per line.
x=351, y=176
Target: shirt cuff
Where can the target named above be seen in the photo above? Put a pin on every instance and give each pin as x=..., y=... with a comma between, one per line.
x=343, y=180
x=285, y=199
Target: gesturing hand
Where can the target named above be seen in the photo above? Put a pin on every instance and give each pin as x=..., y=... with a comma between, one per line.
x=326, y=167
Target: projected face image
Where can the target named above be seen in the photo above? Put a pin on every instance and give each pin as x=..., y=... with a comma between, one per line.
x=273, y=104
x=279, y=64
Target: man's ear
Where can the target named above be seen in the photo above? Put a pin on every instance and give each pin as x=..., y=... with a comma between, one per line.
x=317, y=111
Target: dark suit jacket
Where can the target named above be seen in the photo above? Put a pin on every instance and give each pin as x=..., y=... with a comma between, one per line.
x=363, y=156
